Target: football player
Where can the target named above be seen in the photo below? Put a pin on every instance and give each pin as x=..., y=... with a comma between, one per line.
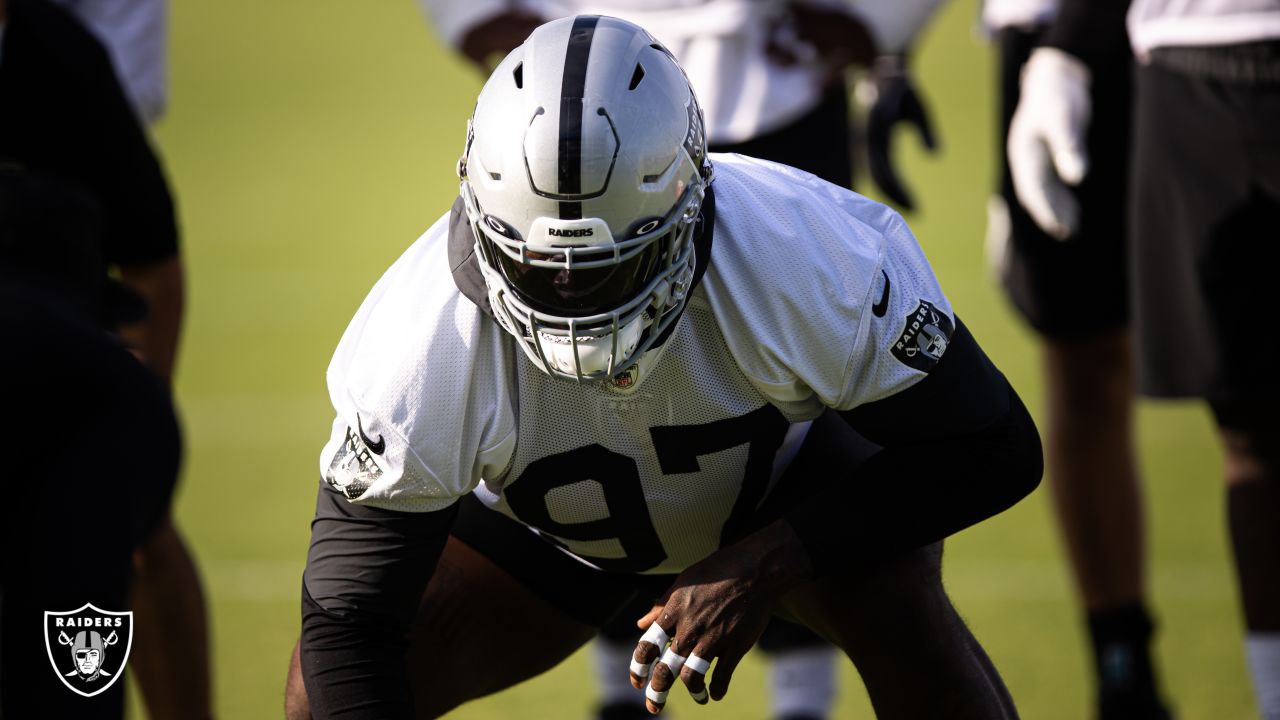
x=603, y=374
x=1204, y=203
x=771, y=78
x=80, y=521
x=1084, y=346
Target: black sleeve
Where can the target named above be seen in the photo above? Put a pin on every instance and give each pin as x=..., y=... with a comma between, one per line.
x=1094, y=31
x=957, y=448
x=366, y=571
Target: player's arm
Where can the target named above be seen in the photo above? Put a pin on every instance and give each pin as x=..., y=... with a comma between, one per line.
x=957, y=447
x=1047, y=134
x=366, y=572
x=897, y=101
x=1091, y=30
x=854, y=31
x=162, y=285
x=140, y=228
x=481, y=29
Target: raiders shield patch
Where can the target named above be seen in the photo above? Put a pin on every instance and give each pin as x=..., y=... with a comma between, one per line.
x=924, y=337
x=88, y=647
x=353, y=470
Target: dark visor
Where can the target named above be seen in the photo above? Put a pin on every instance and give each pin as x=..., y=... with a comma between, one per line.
x=583, y=291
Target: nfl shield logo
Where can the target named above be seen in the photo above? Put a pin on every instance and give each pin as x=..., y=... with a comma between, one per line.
x=88, y=647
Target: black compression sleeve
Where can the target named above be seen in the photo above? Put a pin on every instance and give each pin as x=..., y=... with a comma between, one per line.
x=366, y=571
x=958, y=447
x=1094, y=31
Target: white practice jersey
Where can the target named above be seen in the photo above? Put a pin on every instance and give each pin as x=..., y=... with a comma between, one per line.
x=721, y=44
x=814, y=297
x=1164, y=23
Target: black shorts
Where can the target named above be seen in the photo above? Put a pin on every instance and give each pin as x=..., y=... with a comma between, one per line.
x=1078, y=287
x=818, y=142
x=1206, y=229
x=594, y=597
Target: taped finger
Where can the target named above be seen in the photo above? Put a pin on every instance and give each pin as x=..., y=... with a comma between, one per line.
x=657, y=697
x=673, y=661
x=656, y=635
x=694, y=677
x=664, y=676
x=697, y=664
x=653, y=642
x=639, y=669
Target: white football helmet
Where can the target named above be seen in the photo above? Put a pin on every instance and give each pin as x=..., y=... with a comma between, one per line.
x=583, y=175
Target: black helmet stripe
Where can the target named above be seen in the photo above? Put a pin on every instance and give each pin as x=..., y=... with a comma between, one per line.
x=571, y=92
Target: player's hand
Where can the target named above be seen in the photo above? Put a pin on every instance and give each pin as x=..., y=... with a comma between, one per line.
x=498, y=35
x=1047, y=139
x=896, y=101
x=715, y=610
x=806, y=33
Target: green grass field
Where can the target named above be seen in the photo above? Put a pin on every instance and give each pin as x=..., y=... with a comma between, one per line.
x=311, y=142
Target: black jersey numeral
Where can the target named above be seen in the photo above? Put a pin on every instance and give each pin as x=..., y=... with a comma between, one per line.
x=628, y=520
x=678, y=448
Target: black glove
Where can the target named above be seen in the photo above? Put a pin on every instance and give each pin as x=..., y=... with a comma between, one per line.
x=896, y=101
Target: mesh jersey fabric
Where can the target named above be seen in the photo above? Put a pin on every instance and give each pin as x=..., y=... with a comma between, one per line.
x=808, y=301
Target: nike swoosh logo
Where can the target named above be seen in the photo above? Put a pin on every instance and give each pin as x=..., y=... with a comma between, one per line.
x=374, y=447
x=882, y=307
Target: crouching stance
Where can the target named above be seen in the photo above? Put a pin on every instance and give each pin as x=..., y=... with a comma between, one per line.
x=602, y=375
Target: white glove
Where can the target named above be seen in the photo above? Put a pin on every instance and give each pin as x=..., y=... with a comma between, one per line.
x=1047, y=139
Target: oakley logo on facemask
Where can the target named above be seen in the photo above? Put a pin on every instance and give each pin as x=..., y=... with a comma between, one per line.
x=648, y=227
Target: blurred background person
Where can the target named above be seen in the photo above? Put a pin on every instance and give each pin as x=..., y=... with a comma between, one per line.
x=771, y=77
x=102, y=448
x=1069, y=283
x=67, y=116
x=1204, y=206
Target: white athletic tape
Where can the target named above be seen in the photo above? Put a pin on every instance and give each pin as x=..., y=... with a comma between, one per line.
x=700, y=696
x=640, y=669
x=698, y=665
x=673, y=661
x=656, y=635
x=658, y=697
